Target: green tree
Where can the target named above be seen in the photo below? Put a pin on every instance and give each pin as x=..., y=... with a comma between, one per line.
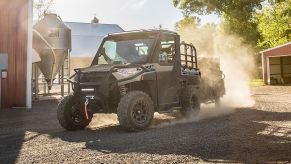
x=274, y=24
x=229, y=7
x=237, y=15
x=246, y=28
x=187, y=21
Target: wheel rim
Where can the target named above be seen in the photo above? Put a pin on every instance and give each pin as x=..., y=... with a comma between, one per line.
x=76, y=113
x=140, y=112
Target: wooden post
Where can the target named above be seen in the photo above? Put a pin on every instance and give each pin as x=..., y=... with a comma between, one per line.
x=36, y=82
x=69, y=71
x=62, y=81
x=282, y=71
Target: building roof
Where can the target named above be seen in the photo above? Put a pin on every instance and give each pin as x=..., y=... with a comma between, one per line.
x=280, y=46
x=92, y=29
x=87, y=37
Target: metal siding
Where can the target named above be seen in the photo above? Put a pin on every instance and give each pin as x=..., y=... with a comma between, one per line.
x=13, y=40
x=281, y=51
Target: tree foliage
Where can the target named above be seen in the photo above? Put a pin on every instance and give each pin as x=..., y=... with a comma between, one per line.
x=244, y=28
x=187, y=21
x=236, y=8
x=237, y=14
x=274, y=24
x=42, y=7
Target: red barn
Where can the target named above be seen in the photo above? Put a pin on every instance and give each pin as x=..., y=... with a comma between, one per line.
x=15, y=50
x=276, y=64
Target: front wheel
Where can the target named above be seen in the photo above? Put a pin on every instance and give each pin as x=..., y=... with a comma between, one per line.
x=71, y=114
x=135, y=111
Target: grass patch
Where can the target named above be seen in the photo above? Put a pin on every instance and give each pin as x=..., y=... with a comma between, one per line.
x=257, y=82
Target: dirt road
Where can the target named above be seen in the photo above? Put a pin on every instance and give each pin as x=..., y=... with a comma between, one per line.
x=261, y=133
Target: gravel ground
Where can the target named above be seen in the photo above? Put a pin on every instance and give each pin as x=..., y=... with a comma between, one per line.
x=259, y=134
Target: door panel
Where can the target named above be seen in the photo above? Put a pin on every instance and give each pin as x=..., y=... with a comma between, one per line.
x=286, y=61
x=168, y=86
x=167, y=80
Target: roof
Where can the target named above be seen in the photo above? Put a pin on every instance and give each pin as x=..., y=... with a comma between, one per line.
x=144, y=31
x=280, y=46
x=87, y=37
x=92, y=29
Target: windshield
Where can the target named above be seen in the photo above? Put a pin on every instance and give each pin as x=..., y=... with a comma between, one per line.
x=126, y=50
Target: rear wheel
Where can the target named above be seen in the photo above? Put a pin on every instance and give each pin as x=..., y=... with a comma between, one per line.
x=135, y=111
x=71, y=114
x=190, y=102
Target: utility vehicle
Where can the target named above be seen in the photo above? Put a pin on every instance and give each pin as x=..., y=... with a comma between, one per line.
x=135, y=74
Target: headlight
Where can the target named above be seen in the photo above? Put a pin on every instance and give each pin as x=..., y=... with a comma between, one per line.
x=126, y=72
x=87, y=89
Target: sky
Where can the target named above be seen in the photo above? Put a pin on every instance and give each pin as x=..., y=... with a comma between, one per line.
x=128, y=14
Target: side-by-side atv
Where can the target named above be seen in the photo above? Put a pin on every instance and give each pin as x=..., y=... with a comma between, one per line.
x=135, y=74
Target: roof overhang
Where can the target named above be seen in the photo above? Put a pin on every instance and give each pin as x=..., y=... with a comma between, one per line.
x=280, y=46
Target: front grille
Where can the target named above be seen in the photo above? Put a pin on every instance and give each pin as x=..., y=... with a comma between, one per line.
x=93, y=77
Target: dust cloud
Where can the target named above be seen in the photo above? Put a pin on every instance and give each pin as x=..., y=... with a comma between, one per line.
x=236, y=59
x=236, y=62
x=207, y=111
x=103, y=120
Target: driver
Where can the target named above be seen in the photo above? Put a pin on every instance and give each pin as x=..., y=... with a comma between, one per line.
x=163, y=57
x=128, y=53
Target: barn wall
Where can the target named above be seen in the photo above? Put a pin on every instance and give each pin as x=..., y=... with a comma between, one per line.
x=280, y=51
x=13, y=40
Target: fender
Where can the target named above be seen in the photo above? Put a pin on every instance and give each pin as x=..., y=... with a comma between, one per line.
x=146, y=76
